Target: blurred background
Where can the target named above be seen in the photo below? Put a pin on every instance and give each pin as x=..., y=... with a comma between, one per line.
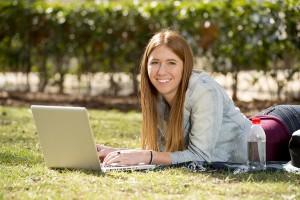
x=82, y=52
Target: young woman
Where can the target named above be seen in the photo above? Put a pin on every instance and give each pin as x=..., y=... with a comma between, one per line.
x=187, y=116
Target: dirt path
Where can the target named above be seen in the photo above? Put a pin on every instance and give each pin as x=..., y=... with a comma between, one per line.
x=18, y=99
x=264, y=89
x=252, y=98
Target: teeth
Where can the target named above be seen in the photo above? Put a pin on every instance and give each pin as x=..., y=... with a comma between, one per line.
x=163, y=81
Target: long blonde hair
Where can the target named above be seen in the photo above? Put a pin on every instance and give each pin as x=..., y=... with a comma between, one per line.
x=149, y=94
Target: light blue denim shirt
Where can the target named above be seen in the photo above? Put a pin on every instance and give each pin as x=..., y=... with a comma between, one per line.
x=214, y=129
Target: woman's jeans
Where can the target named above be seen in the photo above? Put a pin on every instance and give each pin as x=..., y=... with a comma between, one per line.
x=289, y=114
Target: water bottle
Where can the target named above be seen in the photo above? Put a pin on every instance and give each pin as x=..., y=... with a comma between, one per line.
x=256, y=145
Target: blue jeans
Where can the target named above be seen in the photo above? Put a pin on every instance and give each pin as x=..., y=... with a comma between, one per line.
x=289, y=114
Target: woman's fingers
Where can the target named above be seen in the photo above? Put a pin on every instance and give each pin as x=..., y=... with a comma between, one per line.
x=98, y=147
x=126, y=157
x=103, y=151
x=113, y=157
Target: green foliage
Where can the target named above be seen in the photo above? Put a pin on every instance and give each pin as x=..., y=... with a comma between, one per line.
x=110, y=36
x=25, y=176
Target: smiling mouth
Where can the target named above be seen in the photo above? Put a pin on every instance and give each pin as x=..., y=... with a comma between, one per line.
x=163, y=80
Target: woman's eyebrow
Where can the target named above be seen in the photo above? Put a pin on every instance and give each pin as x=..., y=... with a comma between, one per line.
x=168, y=60
x=172, y=59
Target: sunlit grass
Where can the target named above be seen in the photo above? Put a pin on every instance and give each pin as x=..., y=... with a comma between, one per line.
x=23, y=174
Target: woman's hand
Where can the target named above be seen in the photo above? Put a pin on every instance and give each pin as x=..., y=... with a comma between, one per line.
x=103, y=151
x=127, y=157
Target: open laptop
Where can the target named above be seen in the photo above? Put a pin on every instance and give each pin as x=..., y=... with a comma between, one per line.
x=67, y=140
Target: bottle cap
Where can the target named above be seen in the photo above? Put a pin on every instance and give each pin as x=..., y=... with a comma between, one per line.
x=256, y=121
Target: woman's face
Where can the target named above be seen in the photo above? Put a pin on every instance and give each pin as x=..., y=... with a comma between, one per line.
x=165, y=70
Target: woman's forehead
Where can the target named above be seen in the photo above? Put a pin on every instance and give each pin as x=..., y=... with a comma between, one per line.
x=163, y=51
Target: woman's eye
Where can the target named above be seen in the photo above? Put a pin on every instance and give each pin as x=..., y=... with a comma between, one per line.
x=154, y=63
x=172, y=63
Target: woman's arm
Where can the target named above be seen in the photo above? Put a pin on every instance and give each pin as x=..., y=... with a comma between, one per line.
x=135, y=156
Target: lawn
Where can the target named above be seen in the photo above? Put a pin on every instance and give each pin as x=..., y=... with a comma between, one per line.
x=23, y=174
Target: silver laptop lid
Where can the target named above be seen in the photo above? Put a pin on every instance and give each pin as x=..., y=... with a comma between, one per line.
x=66, y=137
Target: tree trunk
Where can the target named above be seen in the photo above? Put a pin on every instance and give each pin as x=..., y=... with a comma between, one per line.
x=280, y=85
x=234, y=85
x=43, y=75
x=134, y=73
x=89, y=82
x=28, y=67
x=114, y=88
x=60, y=81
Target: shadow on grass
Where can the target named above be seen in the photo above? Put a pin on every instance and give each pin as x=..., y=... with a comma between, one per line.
x=260, y=177
x=97, y=173
x=256, y=177
x=100, y=173
x=30, y=159
x=228, y=176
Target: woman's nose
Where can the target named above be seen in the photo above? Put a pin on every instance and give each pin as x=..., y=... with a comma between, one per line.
x=162, y=69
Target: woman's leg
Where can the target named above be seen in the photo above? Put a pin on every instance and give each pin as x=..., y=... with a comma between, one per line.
x=289, y=114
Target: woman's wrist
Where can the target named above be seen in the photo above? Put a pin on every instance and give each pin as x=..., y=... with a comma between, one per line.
x=151, y=157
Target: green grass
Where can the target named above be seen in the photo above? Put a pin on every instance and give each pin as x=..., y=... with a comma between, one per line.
x=23, y=174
